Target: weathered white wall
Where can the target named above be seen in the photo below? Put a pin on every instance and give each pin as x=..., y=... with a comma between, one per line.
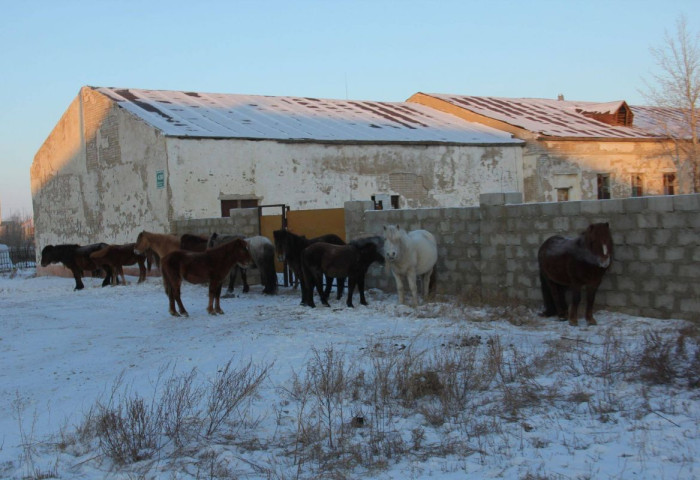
x=310, y=176
x=93, y=179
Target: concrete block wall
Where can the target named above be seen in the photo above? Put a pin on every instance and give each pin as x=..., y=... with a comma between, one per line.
x=489, y=253
x=243, y=221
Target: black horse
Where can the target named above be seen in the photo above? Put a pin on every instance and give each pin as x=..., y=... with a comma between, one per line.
x=574, y=263
x=77, y=259
x=289, y=247
x=336, y=261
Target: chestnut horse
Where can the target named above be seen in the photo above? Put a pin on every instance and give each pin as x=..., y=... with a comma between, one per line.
x=289, y=247
x=574, y=263
x=118, y=256
x=338, y=261
x=211, y=266
x=77, y=259
x=263, y=253
x=160, y=243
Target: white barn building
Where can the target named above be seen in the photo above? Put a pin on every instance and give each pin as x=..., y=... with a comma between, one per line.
x=123, y=160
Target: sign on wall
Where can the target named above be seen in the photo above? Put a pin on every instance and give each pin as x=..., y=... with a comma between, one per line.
x=160, y=179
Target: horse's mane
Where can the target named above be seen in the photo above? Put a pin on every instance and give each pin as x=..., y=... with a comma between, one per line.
x=377, y=240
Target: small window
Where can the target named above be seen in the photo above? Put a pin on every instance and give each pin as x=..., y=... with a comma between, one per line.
x=227, y=205
x=603, y=186
x=637, y=185
x=563, y=194
x=669, y=183
x=382, y=202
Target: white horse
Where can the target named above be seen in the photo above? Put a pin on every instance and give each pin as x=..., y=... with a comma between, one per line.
x=410, y=254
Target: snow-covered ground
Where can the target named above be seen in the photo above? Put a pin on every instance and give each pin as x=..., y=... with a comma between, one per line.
x=61, y=352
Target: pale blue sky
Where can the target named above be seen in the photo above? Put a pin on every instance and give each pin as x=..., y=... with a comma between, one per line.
x=368, y=50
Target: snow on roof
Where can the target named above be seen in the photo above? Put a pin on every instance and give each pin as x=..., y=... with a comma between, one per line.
x=217, y=115
x=556, y=118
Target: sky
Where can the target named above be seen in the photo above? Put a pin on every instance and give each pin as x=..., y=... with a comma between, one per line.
x=379, y=50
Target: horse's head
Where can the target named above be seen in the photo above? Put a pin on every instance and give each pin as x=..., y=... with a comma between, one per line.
x=47, y=255
x=142, y=243
x=598, y=240
x=393, y=236
x=279, y=237
x=243, y=257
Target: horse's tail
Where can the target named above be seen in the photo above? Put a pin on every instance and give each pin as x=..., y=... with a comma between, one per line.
x=268, y=273
x=547, y=296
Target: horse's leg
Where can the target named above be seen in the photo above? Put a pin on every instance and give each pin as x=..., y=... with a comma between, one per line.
x=351, y=290
x=413, y=286
x=399, y=286
x=108, y=275
x=575, y=300
x=121, y=273
x=142, y=270
x=340, y=286
x=244, y=279
x=318, y=281
x=590, y=298
x=170, y=291
x=77, y=275
x=426, y=283
x=550, y=308
x=214, y=292
x=329, y=285
x=176, y=292
x=361, y=287
x=217, y=299
x=559, y=297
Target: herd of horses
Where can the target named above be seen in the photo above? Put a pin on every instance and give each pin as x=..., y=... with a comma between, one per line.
x=574, y=264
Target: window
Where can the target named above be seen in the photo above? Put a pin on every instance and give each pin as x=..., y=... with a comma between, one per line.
x=637, y=187
x=382, y=202
x=603, y=186
x=563, y=194
x=669, y=183
x=227, y=205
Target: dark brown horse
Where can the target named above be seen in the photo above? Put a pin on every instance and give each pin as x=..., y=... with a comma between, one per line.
x=211, y=266
x=338, y=261
x=193, y=243
x=77, y=259
x=574, y=263
x=117, y=257
x=289, y=247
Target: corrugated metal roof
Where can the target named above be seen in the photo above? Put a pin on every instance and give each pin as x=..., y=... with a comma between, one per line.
x=562, y=118
x=217, y=115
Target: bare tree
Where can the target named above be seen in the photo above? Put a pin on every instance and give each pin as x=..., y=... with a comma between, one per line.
x=675, y=90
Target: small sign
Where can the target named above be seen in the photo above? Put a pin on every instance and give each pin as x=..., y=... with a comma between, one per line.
x=160, y=179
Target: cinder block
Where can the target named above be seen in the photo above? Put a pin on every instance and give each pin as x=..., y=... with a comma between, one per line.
x=686, y=202
x=659, y=204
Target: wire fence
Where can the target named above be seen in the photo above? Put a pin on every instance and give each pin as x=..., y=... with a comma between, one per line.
x=17, y=257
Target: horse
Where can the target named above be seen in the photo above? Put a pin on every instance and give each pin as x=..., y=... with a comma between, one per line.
x=193, y=243
x=210, y=266
x=574, y=263
x=338, y=261
x=160, y=243
x=77, y=259
x=289, y=247
x=411, y=254
x=263, y=253
x=118, y=256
